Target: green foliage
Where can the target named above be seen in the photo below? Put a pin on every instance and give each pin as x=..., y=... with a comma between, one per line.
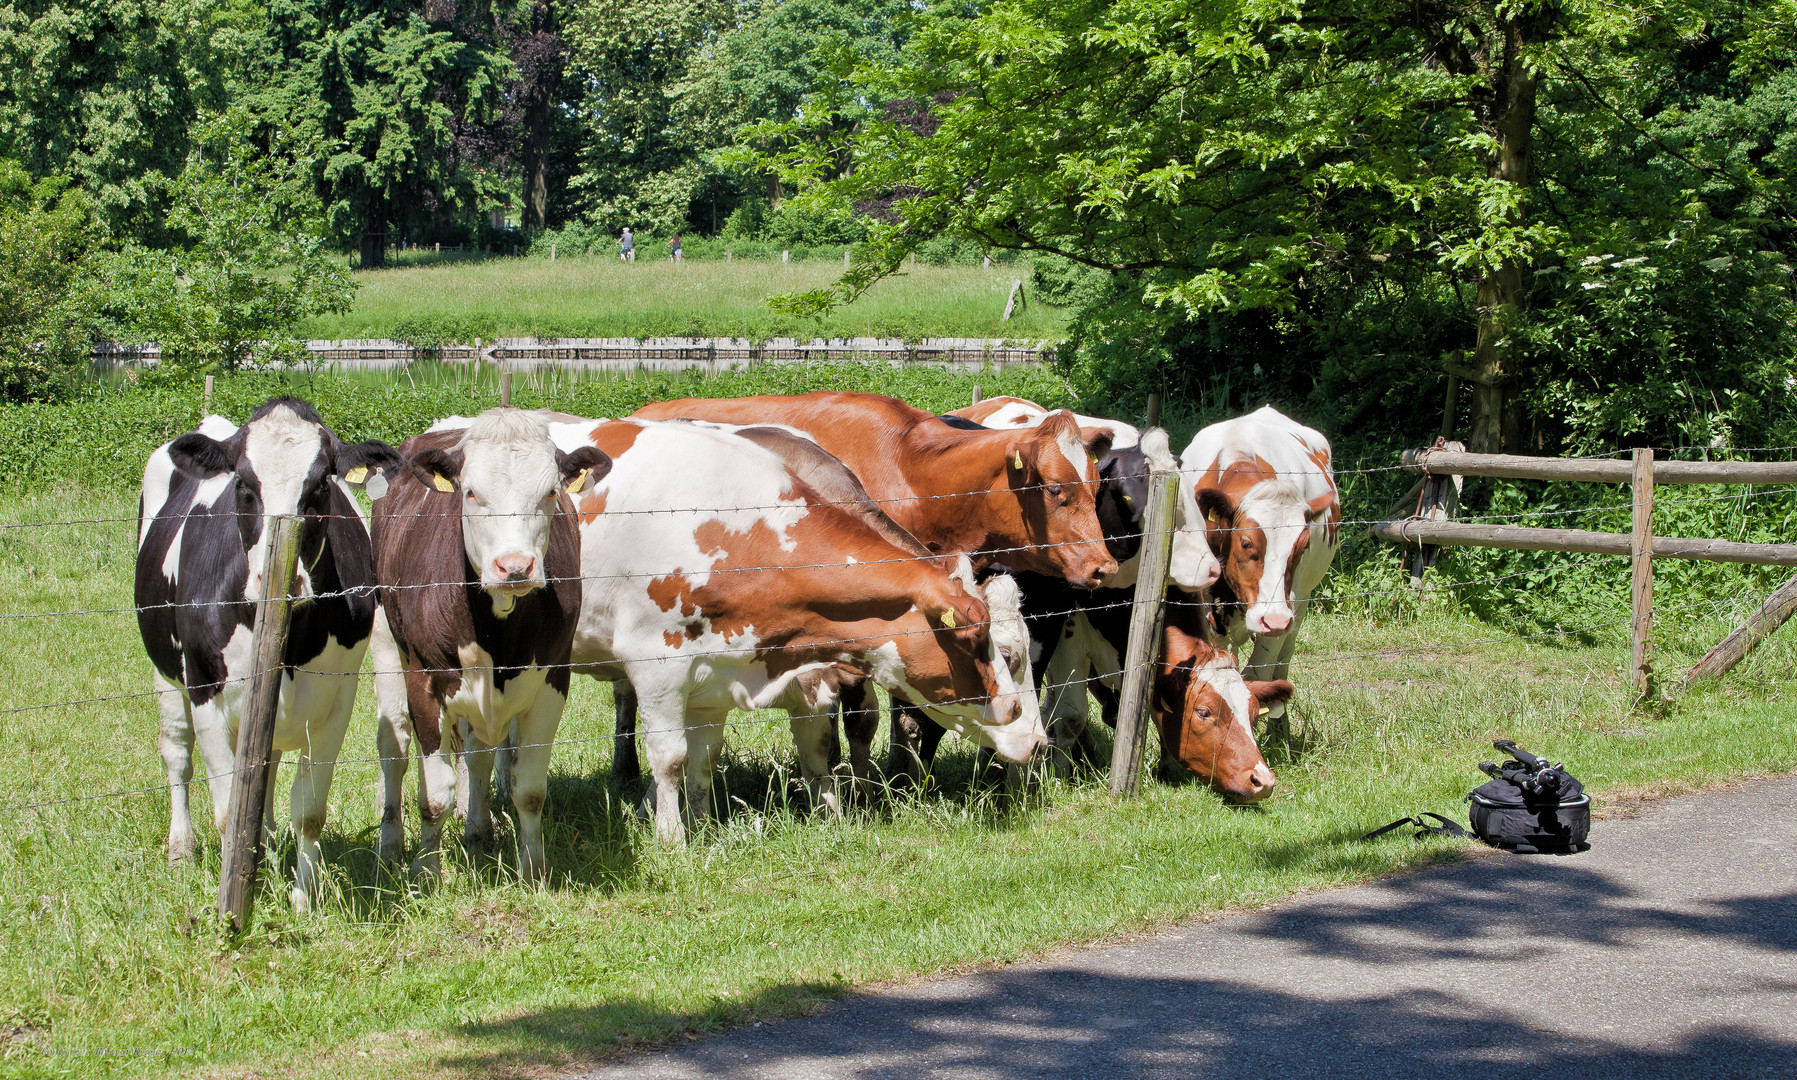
x=253, y=265
x=102, y=93
x=48, y=285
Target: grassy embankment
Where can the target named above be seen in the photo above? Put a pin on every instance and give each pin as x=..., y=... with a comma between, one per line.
x=584, y=296
x=111, y=966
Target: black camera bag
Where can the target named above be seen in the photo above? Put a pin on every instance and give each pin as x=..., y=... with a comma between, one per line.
x=1529, y=807
x=1508, y=815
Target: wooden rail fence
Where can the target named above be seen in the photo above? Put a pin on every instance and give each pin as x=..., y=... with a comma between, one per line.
x=1427, y=526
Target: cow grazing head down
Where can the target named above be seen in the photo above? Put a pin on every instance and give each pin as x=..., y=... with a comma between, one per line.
x=1053, y=469
x=1206, y=712
x=508, y=478
x=986, y=692
x=282, y=461
x=1257, y=539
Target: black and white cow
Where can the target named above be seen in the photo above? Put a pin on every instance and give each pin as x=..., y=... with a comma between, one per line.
x=207, y=497
x=478, y=554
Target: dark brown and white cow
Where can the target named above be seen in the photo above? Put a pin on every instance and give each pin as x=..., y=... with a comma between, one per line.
x=718, y=578
x=478, y=558
x=202, y=519
x=1264, y=486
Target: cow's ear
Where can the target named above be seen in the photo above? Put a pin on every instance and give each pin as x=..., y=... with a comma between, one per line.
x=1319, y=506
x=1170, y=688
x=366, y=456
x=1218, y=513
x=581, y=460
x=201, y=455
x=1020, y=456
x=433, y=464
x=1267, y=694
x=1098, y=441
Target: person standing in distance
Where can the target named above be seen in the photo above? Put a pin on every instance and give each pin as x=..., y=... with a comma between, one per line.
x=627, y=246
x=674, y=248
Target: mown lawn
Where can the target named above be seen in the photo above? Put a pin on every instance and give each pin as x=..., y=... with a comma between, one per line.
x=597, y=297
x=109, y=965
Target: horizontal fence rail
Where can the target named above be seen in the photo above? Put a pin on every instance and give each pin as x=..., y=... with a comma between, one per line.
x=633, y=354
x=1433, y=462
x=1519, y=538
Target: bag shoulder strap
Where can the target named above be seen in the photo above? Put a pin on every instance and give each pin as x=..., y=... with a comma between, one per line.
x=1448, y=827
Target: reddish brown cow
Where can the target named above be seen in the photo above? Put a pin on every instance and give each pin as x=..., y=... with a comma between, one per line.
x=1205, y=710
x=1024, y=496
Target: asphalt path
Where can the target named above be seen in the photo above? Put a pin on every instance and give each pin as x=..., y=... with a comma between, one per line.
x=1668, y=950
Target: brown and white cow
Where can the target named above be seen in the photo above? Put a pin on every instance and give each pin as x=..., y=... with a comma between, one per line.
x=1264, y=486
x=477, y=556
x=1005, y=412
x=1206, y=711
x=717, y=578
x=1024, y=496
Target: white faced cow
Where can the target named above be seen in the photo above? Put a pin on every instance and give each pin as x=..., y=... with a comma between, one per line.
x=1264, y=486
x=479, y=567
x=719, y=579
x=207, y=498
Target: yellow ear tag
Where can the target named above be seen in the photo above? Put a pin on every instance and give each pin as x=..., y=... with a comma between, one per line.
x=1127, y=501
x=1263, y=711
x=1212, y=518
x=948, y=619
x=1017, y=460
x=579, y=482
x=442, y=482
x=356, y=475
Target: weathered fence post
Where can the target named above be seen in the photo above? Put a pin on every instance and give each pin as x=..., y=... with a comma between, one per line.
x=1011, y=300
x=845, y=258
x=1731, y=650
x=1146, y=618
x=552, y=251
x=785, y=256
x=979, y=394
x=1154, y=410
x=250, y=780
x=505, y=388
x=206, y=405
x=1641, y=559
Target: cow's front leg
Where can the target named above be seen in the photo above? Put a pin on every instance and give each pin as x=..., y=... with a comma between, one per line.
x=814, y=734
x=393, y=736
x=477, y=822
x=311, y=796
x=530, y=779
x=212, y=732
x=704, y=741
x=860, y=723
x=661, y=716
x=1064, y=684
x=436, y=801
x=625, y=768
x=175, y=741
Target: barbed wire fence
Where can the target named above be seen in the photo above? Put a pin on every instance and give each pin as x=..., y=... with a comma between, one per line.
x=1148, y=605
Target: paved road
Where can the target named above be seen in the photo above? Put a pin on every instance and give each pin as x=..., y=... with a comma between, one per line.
x=1668, y=950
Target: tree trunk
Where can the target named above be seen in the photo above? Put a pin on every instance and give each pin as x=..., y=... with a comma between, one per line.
x=774, y=194
x=543, y=76
x=1496, y=420
x=374, y=233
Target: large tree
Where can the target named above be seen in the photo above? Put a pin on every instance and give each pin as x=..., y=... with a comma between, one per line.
x=1272, y=165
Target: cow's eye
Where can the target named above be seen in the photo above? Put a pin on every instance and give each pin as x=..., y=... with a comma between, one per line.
x=1203, y=712
x=1054, y=490
x=469, y=494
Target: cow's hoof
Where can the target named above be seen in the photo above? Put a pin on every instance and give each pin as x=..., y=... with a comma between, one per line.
x=180, y=854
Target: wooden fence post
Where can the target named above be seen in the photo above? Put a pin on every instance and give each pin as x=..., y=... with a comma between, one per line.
x=505, y=388
x=1011, y=300
x=1154, y=410
x=1731, y=650
x=1641, y=559
x=249, y=783
x=1146, y=619
x=206, y=405
x=979, y=393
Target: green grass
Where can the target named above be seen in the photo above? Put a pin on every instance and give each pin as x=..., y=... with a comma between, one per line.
x=109, y=965
x=601, y=297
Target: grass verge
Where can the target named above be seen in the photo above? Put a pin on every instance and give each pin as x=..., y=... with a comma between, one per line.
x=109, y=965
x=598, y=297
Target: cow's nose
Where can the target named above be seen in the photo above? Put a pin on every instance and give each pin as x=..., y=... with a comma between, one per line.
x=1098, y=575
x=516, y=567
x=1276, y=624
x=1261, y=783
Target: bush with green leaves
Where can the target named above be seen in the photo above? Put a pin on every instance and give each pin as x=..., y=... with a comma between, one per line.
x=252, y=266
x=48, y=285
